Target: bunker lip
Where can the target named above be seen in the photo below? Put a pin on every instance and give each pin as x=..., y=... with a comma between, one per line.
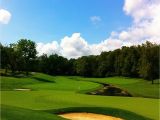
x=88, y=116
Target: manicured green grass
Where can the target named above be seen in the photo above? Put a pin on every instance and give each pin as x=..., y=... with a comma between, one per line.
x=43, y=100
x=59, y=92
x=16, y=113
x=64, y=83
x=10, y=83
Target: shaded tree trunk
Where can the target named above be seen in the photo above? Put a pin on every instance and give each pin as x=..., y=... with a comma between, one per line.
x=27, y=73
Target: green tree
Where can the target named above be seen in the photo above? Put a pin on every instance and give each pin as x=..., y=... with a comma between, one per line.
x=117, y=62
x=149, y=61
x=4, y=57
x=27, y=50
x=86, y=66
x=71, y=67
x=102, y=64
x=9, y=58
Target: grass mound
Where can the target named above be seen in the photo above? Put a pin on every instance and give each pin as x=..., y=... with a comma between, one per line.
x=17, y=113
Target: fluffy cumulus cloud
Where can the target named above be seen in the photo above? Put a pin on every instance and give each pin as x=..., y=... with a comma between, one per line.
x=5, y=16
x=49, y=48
x=106, y=45
x=76, y=46
x=70, y=47
x=146, y=21
x=145, y=27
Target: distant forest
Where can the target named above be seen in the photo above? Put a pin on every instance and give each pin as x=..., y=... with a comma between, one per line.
x=135, y=61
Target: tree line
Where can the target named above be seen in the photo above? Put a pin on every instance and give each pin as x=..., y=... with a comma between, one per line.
x=135, y=61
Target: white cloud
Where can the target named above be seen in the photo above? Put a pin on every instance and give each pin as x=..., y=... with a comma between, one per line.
x=145, y=27
x=5, y=16
x=146, y=21
x=106, y=45
x=124, y=35
x=74, y=46
x=95, y=19
x=70, y=47
x=49, y=48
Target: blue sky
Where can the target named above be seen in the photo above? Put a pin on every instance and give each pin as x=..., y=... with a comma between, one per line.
x=48, y=20
x=74, y=28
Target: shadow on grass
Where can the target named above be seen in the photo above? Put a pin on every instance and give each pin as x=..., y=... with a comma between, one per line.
x=42, y=80
x=126, y=115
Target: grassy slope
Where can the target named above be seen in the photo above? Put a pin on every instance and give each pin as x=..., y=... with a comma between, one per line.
x=64, y=83
x=10, y=83
x=16, y=113
x=62, y=94
x=42, y=100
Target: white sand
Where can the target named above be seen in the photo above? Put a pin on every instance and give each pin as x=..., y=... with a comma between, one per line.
x=22, y=89
x=88, y=116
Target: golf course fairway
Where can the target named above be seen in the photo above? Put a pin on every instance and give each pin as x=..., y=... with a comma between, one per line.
x=44, y=97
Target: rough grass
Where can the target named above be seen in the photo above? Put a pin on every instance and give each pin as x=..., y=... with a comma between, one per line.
x=61, y=92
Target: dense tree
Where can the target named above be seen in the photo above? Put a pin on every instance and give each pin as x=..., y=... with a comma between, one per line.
x=117, y=62
x=71, y=67
x=27, y=51
x=43, y=64
x=4, y=57
x=135, y=61
x=9, y=58
x=56, y=65
x=103, y=64
x=149, y=61
x=129, y=61
x=83, y=66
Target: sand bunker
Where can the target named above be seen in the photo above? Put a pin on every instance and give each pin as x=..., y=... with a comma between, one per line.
x=88, y=116
x=22, y=89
